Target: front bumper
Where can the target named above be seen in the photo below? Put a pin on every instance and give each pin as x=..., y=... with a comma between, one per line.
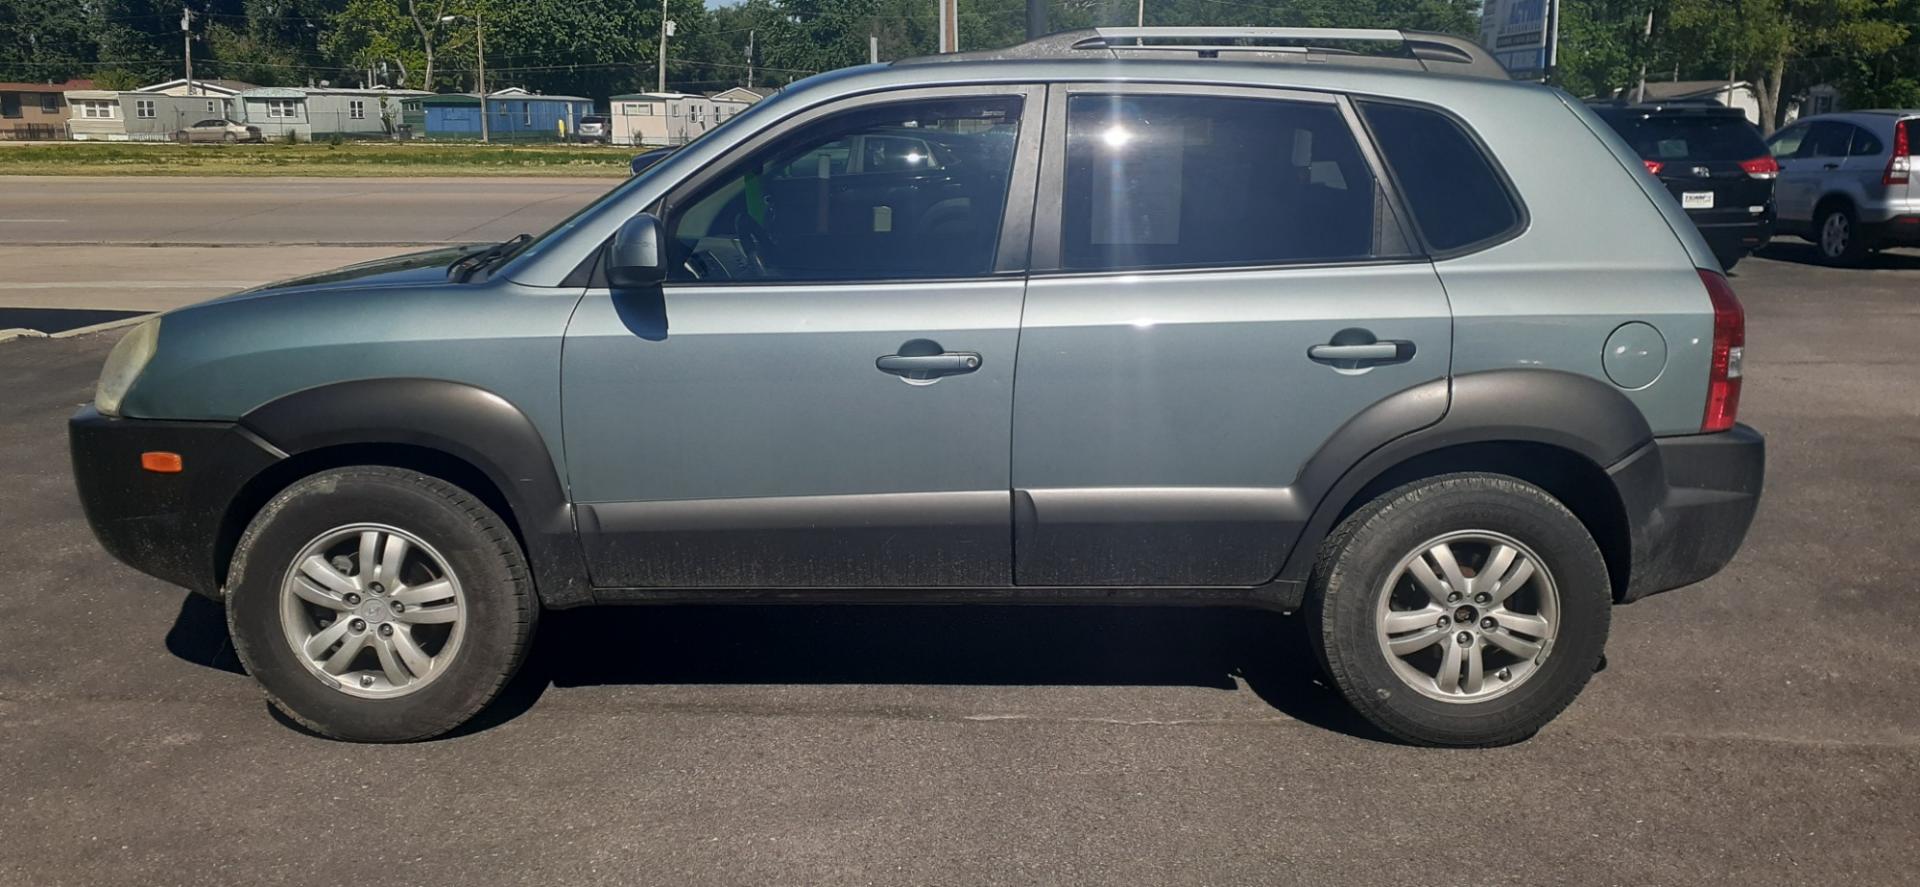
x=169, y=526
x=1689, y=501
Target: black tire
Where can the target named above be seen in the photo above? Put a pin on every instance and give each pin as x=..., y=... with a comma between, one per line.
x=1853, y=248
x=1359, y=558
x=1728, y=260
x=476, y=544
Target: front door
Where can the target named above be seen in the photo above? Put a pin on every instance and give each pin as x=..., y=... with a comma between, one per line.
x=1219, y=284
x=820, y=395
x=1810, y=156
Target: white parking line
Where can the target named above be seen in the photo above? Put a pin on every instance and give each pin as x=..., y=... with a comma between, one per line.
x=31, y=221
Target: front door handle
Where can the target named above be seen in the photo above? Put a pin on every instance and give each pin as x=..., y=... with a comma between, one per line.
x=1357, y=349
x=921, y=362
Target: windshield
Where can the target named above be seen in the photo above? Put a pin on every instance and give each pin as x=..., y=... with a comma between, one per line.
x=1691, y=138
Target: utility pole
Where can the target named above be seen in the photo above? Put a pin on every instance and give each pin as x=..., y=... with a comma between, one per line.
x=749, y=58
x=1640, y=94
x=949, y=27
x=480, y=76
x=480, y=53
x=186, y=40
x=873, y=50
x=1140, y=15
x=663, y=46
x=1036, y=19
x=1553, y=39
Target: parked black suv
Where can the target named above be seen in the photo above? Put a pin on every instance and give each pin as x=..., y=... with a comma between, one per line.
x=1714, y=162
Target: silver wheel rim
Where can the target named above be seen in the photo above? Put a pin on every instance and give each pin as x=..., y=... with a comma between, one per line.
x=372, y=610
x=1835, y=234
x=1468, y=616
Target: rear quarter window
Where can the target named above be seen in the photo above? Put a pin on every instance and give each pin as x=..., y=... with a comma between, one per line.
x=1456, y=195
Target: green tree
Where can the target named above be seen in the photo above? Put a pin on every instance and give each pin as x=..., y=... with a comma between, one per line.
x=1763, y=38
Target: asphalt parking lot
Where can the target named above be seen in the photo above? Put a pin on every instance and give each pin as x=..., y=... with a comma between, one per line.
x=1760, y=728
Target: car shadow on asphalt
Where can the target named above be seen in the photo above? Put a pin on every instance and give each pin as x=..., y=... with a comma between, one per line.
x=1805, y=254
x=975, y=645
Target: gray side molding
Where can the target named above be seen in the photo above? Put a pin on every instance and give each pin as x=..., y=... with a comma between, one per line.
x=467, y=423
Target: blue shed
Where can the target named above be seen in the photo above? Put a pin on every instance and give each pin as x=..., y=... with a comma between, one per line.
x=513, y=114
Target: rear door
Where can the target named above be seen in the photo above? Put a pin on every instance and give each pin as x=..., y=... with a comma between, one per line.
x=1220, y=283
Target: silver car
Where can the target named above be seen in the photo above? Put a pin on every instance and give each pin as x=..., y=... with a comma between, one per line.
x=1315, y=321
x=1846, y=182
x=218, y=130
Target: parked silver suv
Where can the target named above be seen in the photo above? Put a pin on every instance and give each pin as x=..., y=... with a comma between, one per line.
x=1846, y=182
x=1344, y=323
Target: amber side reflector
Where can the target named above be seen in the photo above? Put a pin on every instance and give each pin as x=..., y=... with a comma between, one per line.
x=163, y=463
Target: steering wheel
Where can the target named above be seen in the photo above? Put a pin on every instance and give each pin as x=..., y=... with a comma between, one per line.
x=754, y=240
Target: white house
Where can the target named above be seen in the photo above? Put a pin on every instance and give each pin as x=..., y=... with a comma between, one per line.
x=1730, y=93
x=672, y=118
x=199, y=87
x=105, y=115
x=308, y=111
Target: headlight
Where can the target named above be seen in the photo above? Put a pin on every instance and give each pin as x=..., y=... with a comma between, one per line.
x=124, y=365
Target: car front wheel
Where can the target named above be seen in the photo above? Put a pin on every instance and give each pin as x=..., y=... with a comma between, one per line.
x=377, y=604
x=1465, y=610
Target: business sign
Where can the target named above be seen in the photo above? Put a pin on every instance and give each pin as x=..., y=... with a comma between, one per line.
x=1516, y=32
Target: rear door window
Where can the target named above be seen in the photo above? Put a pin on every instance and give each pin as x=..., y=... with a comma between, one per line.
x=1186, y=181
x=1826, y=140
x=1456, y=195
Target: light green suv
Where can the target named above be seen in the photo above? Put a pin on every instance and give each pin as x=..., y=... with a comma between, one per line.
x=1307, y=320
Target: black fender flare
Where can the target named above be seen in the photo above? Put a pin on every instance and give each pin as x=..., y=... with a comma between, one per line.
x=462, y=421
x=1563, y=410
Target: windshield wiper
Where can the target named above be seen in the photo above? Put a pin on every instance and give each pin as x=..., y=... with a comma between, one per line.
x=472, y=263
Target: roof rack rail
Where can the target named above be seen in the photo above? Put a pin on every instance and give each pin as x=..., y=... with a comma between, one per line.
x=1405, y=50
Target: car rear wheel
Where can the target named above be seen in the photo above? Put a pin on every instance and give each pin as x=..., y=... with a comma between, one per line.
x=229, y=138
x=376, y=604
x=1839, y=237
x=1465, y=610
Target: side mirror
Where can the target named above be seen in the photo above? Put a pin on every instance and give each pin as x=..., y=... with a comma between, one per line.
x=639, y=254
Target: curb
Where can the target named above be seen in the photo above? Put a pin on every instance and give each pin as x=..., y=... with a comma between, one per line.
x=8, y=335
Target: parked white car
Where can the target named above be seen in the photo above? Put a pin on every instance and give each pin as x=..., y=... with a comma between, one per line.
x=593, y=128
x=218, y=130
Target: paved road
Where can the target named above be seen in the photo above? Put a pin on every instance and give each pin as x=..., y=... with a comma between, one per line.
x=1762, y=728
x=64, y=242
x=234, y=210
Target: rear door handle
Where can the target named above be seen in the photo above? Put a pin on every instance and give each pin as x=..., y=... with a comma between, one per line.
x=1376, y=352
x=924, y=369
x=1357, y=349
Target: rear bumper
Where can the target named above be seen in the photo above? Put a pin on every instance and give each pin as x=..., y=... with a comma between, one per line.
x=1903, y=230
x=168, y=526
x=1689, y=501
x=1748, y=235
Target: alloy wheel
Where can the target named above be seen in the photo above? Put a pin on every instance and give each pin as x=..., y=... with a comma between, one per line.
x=1468, y=616
x=372, y=610
x=1836, y=235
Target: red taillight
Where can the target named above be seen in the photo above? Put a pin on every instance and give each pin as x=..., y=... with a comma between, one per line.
x=1761, y=167
x=1900, y=168
x=1729, y=349
x=1653, y=166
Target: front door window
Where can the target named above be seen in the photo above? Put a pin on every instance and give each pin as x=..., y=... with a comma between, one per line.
x=899, y=192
